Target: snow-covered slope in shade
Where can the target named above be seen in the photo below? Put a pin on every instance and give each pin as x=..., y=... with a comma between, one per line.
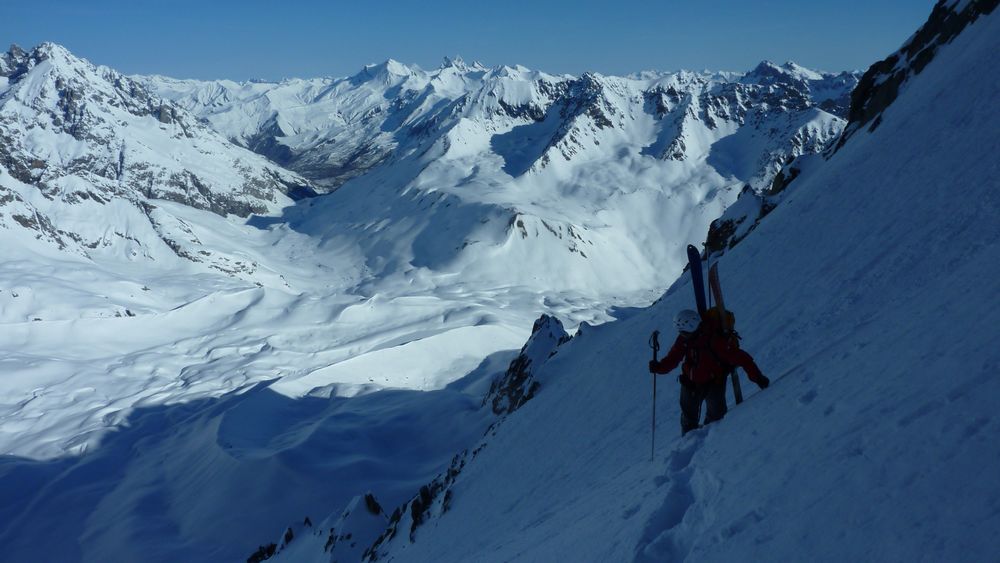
x=868, y=296
x=876, y=90
x=210, y=479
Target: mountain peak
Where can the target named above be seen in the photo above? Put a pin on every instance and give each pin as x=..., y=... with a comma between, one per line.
x=768, y=72
x=458, y=63
x=16, y=51
x=389, y=71
x=799, y=70
x=54, y=52
x=50, y=48
x=506, y=71
x=64, y=62
x=455, y=61
x=390, y=67
x=47, y=51
x=11, y=59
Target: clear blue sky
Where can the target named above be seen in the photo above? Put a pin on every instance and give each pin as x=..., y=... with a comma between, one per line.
x=284, y=38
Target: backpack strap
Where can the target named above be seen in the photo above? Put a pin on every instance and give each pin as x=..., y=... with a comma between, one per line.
x=690, y=355
x=727, y=335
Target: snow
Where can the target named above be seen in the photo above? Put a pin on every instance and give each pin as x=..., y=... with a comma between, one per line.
x=350, y=347
x=815, y=129
x=349, y=534
x=868, y=297
x=209, y=479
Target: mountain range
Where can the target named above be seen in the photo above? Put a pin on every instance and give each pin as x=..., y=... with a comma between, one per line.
x=428, y=173
x=456, y=206
x=404, y=315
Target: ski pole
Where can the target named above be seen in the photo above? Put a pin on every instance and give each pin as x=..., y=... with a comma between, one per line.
x=654, y=343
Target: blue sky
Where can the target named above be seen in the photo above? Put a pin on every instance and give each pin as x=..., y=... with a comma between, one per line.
x=275, y=39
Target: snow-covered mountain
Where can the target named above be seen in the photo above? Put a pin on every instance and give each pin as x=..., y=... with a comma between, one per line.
x=79, y=141
x=489, y=167
x=475, y=200
x=513, y=177
x=867, y=294
x=356, y=389
x=331, y=130
x=571, y=179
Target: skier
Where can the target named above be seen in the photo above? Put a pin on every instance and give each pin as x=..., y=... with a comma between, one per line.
x=709, y=355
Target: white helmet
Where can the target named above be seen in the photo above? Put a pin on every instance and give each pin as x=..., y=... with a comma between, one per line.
x=687, y=320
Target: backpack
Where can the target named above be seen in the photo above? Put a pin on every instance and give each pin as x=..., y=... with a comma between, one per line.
x=701, y=363
x=713, y=321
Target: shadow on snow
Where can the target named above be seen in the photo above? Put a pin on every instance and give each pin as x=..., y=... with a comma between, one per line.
x=212, y=479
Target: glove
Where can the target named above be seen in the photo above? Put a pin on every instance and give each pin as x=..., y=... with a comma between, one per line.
x=652, y=366
x=763, y=382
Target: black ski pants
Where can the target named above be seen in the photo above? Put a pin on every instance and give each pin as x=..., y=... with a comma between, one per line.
x=692, y=396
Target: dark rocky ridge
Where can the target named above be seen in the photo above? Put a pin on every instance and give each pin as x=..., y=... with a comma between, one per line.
x=877, y=89
x=882, y=82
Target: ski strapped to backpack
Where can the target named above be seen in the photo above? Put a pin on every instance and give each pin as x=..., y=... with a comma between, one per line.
x=654, y=343
x=726, y=322
x=697, y=278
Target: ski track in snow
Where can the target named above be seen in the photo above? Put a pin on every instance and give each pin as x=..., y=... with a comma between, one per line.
x=661, y=540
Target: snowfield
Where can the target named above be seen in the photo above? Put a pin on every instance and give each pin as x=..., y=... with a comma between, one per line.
x=867, y=296
x=339, y=376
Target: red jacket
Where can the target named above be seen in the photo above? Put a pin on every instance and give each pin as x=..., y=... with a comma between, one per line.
x=707, y=358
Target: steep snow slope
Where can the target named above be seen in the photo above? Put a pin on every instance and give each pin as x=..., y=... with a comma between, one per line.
x=869, y=296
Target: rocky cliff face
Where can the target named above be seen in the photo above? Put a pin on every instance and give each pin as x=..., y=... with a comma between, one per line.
x=883, y=81
x=518, y=385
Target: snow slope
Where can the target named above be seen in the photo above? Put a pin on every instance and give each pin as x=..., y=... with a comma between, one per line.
x=868, y=297
x=125, y=439
x=205, y=479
